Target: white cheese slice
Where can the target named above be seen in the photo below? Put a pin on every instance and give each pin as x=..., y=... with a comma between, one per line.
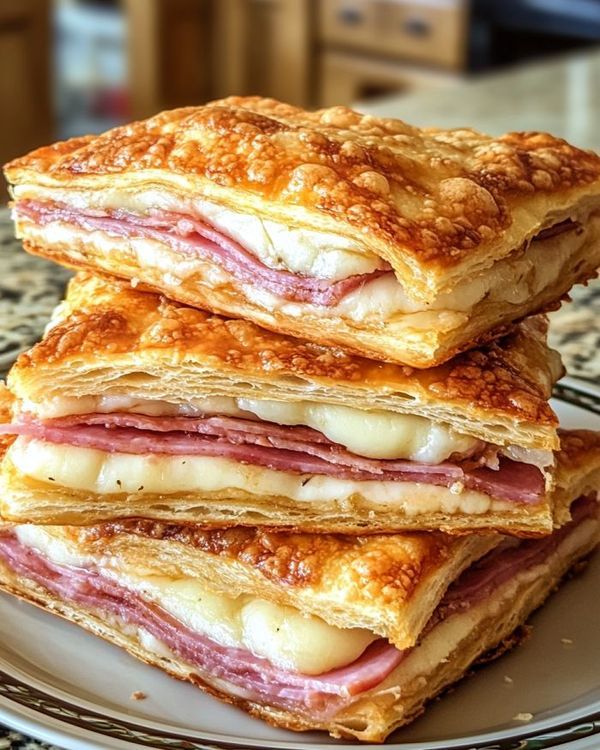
x=281, y=634
x=91, y=470
x=282, y=246
x=379, y=300
x=372, y=433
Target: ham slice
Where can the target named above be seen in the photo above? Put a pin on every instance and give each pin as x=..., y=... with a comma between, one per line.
x=509, y=558
x=93, y=589
x=301, y=450
x=190, y=236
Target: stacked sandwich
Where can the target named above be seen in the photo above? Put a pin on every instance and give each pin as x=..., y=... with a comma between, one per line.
x=326, y=506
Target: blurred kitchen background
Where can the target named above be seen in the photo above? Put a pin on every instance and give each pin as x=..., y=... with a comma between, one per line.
x=79, y=66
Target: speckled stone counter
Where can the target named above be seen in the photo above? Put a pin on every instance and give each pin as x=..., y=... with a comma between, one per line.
x=29, y=289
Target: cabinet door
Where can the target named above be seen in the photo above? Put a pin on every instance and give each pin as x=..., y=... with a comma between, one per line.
x=170, y=55
x=25, y=79
x=263, y=47
x=410, y=30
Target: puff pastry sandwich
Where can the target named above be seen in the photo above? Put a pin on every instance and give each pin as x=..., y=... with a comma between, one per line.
x=352, y=635
x=133, y=405
x=400, y=244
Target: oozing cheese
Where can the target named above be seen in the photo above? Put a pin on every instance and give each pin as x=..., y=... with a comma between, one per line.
x=510, y=281
x=304, y=251
x=94, y=471
x=373, y=433
x=281, y=634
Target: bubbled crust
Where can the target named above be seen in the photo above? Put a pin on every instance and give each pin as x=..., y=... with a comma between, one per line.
x=106, y=324
x=389, y=584
x=390, y=567
x=6, y=403
x=426, y=200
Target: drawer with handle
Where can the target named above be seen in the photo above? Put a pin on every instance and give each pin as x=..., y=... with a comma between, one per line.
x=430, y=31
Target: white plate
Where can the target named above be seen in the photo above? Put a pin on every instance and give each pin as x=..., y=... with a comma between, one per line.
x=64, y=686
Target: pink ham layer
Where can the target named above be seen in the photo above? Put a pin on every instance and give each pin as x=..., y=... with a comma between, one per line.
x=325, y=693
x=191, y=237
x=295, y=449
x=260, y=679
x=480, y=580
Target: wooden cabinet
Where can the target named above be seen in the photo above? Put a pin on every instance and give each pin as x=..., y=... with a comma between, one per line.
x=189, y=51
x=264, y=47
x=170, y=53
x=347, y=78
x=25, y=77
x=374, y=47
x=429, y=32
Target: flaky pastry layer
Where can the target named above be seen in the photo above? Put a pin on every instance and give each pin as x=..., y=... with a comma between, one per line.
x=27, y=500
x=157, y=349
x=442, y=657
x=337, y=170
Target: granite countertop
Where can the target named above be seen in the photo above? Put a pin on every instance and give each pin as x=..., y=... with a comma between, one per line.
x=561, y=97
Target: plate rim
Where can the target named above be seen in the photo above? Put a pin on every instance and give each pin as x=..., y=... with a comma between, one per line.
x=32, y=711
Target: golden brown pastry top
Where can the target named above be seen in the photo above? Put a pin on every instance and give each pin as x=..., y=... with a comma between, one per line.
x=387, y=566
x=418, y=197
x=6, y=404
x=577, y=449
x=107, y=324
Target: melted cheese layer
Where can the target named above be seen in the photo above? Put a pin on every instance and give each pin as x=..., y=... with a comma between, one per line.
x=95, y=471
x=304, y=251
x=373, y=433
x=510, y=281
x=281, y=634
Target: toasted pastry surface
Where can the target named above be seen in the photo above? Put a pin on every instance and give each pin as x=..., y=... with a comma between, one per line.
x=158, y=349
x=462, y=219
x=434, y=203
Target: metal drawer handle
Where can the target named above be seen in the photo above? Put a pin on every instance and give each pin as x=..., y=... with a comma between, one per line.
x=350, y=16
x=417, y=27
